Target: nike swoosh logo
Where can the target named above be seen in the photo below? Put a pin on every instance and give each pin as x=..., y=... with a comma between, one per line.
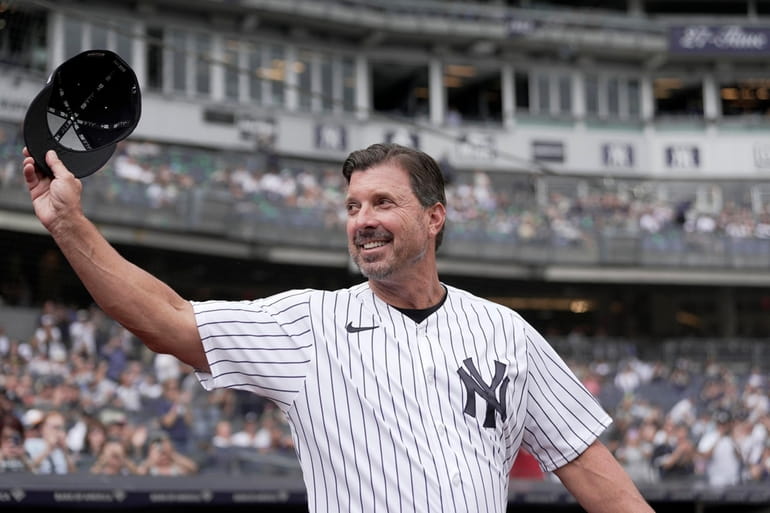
x=358, y=329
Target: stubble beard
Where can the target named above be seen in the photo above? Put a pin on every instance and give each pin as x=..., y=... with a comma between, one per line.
x=386, y=268
x=372, y=270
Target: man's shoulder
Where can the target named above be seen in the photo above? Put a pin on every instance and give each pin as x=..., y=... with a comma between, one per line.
x=499, y=309
x=359, y=291
x=470, y=297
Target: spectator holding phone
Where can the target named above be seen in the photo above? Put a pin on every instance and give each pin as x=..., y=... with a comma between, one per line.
x=49, y=453
x=13, y=457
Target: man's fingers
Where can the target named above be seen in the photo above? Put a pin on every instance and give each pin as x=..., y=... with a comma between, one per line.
x=31, y=175
x=56, y=165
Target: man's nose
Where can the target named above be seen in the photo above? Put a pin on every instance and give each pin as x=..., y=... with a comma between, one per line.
x=365, y=217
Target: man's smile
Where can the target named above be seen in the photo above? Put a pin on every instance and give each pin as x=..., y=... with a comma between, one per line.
x=373, y=244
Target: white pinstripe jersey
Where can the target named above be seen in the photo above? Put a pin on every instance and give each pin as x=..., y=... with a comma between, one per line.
x=389, y=415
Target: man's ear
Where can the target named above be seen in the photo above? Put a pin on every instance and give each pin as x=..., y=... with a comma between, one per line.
x=437, y=218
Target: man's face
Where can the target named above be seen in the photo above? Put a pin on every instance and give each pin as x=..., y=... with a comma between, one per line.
x=387, y=228
x=53, y=429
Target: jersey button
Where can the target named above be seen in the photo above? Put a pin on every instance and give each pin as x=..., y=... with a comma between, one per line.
x=456, y=480
x=429, y=371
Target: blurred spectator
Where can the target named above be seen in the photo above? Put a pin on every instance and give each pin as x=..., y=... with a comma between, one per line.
x=274, y=422
x=163, y=192
x=253, y=434
x=136, y=444
x=47, y=340
x=5, y=343
x=32, y=420
x=83, y=334
x=175, y=413
x=755, y=398
x=167, y=367
x=718, y=451
x=674, y=457
x=114, y=461
x=149, y=388
x=760, y=471
x=749, y=438
x=223, y=434
x=94, y=439
x=683, y=412
x=164, y=460
x=128, y=396
x=223, y=455
x=13, y=456
x=635, y=456
x=99, y=390
x=627, y=379
x=49, y=453
x=115, y=355
x=115, y=422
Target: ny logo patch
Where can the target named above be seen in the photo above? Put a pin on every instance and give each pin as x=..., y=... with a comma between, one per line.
x=475, y=384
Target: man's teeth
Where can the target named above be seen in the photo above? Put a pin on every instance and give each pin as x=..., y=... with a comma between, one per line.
x=372, y=245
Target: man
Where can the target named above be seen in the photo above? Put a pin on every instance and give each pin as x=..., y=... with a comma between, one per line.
x=718, y=449
x=403, y=393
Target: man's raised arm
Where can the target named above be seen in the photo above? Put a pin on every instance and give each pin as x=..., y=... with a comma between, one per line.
x=143, y=304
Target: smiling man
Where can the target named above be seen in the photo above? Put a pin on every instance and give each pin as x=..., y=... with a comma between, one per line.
x=396, y=214
x=403, y=393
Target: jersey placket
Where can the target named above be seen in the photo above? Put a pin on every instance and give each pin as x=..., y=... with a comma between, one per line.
x=432, y=389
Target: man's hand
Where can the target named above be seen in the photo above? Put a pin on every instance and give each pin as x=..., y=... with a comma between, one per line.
x=54, y=198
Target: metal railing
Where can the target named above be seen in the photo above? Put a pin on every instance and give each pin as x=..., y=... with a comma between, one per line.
x=215, y=212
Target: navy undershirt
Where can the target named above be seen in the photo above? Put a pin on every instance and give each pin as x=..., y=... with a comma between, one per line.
x=420, y=314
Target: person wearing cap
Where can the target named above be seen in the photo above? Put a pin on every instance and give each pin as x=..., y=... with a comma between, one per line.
x=719, y=451
x=49, y=453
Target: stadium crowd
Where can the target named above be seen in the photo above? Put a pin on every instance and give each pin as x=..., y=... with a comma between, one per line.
x=482, y=206
x=495, y=206
x=81, y=395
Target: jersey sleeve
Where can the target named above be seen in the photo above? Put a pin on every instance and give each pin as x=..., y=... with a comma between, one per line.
x=262, y=346
x=563, y=417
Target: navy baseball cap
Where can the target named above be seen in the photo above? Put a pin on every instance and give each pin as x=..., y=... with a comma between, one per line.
x=89, y=103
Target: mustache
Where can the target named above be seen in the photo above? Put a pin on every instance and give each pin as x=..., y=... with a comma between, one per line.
x=369, y=234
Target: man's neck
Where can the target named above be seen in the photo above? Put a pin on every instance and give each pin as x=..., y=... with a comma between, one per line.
x=413, y=294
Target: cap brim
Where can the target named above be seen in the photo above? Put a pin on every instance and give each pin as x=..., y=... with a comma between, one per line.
x=39, y=140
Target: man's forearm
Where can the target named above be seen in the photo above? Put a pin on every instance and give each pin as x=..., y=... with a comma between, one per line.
x=137, y=300
x=600, y=484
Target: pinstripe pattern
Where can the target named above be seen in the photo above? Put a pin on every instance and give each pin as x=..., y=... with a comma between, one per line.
x=378, y=415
